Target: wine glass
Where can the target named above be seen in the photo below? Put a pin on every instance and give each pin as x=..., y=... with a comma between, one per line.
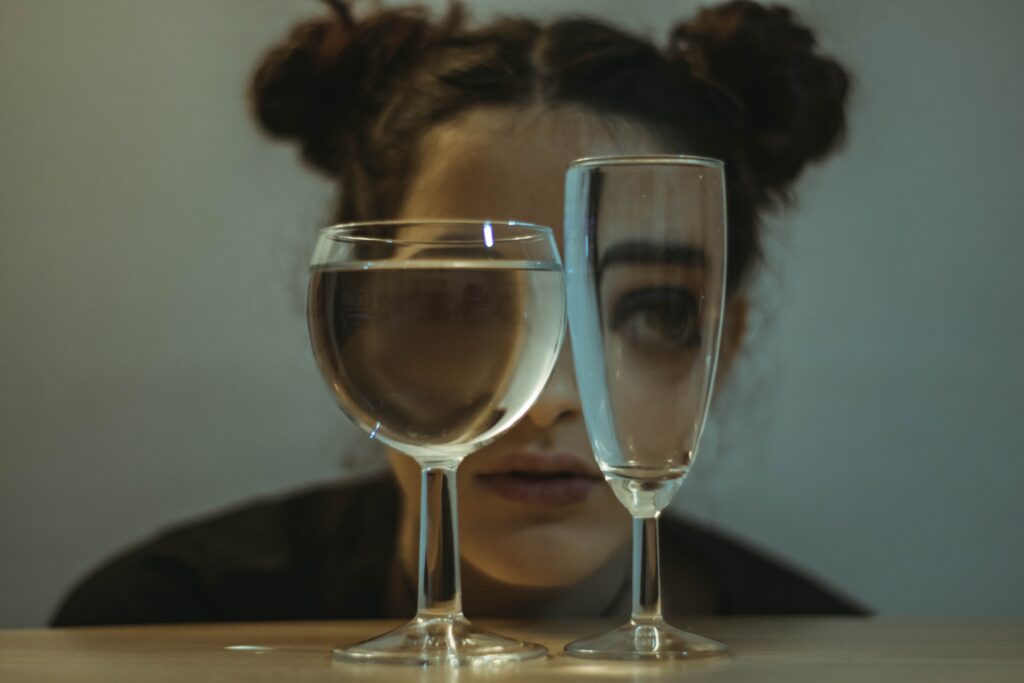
x=435, y=337
x=645, y=274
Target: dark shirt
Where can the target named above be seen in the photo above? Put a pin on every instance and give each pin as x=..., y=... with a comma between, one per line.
x=329, y=553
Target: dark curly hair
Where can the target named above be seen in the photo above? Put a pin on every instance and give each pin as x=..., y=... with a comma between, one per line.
x=742, y=82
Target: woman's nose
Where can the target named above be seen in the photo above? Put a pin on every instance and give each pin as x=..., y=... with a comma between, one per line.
x=559, y=400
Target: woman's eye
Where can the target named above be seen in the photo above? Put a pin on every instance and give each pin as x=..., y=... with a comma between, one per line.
x=658, y=318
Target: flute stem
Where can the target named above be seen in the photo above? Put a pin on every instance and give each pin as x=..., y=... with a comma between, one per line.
x=646, y=570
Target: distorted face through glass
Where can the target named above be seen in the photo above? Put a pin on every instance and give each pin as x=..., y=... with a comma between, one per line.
x=658, y=252
x=423, y=350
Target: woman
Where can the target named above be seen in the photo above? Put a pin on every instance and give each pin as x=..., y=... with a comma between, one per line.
x=416, y=118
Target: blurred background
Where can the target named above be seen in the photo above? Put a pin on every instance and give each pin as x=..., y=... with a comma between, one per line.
x=154, y=365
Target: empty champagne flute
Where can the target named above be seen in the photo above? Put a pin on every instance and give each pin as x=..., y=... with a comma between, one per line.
x=645, y=272
x=435, y=337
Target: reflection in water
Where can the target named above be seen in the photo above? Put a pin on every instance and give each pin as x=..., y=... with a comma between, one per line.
x=422, y=351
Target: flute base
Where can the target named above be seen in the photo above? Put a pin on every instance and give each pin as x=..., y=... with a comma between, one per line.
x=648, y=639
x=449, y=640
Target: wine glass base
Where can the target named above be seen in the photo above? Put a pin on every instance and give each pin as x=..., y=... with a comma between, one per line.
x=646, y=640
x=444, y=640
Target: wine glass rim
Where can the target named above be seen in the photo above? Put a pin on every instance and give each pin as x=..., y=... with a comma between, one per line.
x=646, y=159
x=339, y=230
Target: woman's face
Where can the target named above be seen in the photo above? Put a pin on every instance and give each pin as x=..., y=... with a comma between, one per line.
x=533, y=507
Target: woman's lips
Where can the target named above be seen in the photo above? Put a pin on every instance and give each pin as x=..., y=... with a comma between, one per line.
x=541, y=478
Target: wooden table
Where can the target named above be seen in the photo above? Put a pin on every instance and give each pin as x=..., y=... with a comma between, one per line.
x=769, y=649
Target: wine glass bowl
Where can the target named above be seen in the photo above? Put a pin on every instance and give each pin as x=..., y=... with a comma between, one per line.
x=435, y=337
x=645, y=273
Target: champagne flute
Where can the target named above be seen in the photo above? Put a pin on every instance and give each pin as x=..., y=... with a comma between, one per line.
x=435, y=337
x=645, y=274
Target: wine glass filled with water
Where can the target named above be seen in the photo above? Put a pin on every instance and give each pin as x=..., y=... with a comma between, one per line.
x=435, y=337
x=645, y=272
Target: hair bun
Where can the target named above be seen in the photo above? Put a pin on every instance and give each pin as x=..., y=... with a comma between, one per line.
x=792, y=98
x=325, y=81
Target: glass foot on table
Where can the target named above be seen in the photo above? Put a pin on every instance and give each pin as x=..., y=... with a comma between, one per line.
x=446, y=640
x=646, y=640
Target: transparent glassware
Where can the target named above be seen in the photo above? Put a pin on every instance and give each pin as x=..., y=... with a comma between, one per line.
x=435, y=337
x=645, y=275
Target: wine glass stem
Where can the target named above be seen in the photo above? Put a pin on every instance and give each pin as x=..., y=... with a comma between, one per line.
x=440, y=587
x=646, y=570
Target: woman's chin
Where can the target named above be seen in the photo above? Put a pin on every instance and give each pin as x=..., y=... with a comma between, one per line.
x=544, y=555
x=530, y=575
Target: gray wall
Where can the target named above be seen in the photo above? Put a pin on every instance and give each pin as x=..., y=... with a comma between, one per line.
x=153, y=358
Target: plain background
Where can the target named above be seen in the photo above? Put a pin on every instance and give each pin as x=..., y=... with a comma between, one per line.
x=153, y=356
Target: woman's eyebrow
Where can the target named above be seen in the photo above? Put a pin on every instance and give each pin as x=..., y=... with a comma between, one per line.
x=650, y=252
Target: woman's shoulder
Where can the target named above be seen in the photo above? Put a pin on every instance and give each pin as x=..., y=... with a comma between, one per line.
x=264, y=559
x=744, y=579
